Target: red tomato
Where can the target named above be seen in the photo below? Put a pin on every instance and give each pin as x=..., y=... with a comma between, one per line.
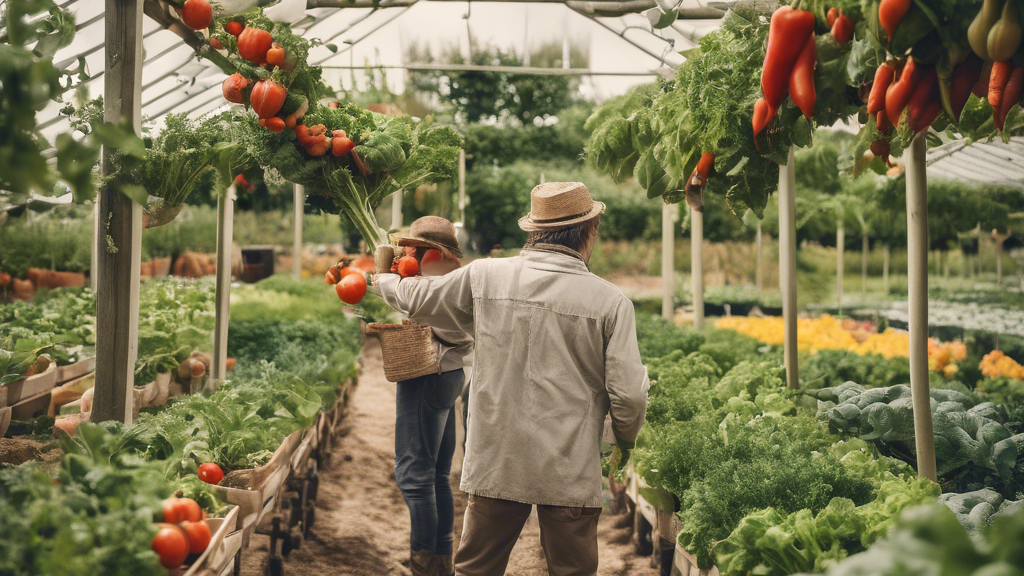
x=329, y=278
x=408, y=266
x=216, y=44
x=253, y=44
x=177, y=510
x=234, y=28
x=351, y=289
x=210, y=473
x=198, y=535
x=275, y=56
x=171, y=545
x=197, y=14
x=345, y=271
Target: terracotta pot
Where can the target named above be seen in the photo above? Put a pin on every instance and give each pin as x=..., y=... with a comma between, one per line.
x=23, y=289
x=161, y=267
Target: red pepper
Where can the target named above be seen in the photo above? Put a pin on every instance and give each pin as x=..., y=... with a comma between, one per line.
x=891, y=13
x=801, y=82
x=882, y=122
x=842, y=30
x=923, y=101
x=833, y=13
x=763, y=114
x=787, y=36
x=880, y=148
x=965, y=77
x=704, y=167
x=1011, y=95
x=883, y=78
x=899, y=92
x=996, y=84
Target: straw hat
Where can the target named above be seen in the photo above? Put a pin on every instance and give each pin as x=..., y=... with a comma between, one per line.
x=433, y=232
x=557, y=205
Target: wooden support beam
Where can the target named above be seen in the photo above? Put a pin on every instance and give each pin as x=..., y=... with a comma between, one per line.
x=758, y=272
x=787, y=266
x=840, y=261
x=160, y=12
x=120, y=230
x=225, y=234
x=917, y=282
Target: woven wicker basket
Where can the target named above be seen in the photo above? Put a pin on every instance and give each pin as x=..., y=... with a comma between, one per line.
x=409, y=349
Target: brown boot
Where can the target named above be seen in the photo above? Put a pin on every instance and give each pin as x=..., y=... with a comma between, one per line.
x=445, y=565
x=423, y=563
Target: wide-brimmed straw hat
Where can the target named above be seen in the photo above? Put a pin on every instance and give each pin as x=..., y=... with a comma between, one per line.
x=433, y=232
x=556, y=205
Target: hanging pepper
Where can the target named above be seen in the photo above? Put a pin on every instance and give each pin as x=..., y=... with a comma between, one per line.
x=1005, y=35
x=703, y=170
x=883, y=78
x=924, y=105
x=977, y=32
x=882, y=123
x=880, y=148
x=965, y=77
x=899, y=92
x=763, y=114
x=787, y=36
x=1011, y=95
x=996, y=84
x=801, y=82
x=842, y=29
x=833, y=13
x=891, y=13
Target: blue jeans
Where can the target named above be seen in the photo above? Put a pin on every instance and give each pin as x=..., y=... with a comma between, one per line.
x=424, y=449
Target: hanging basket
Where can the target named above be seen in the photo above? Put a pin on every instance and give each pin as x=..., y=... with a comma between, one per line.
x=160, y=214
x=409, y=350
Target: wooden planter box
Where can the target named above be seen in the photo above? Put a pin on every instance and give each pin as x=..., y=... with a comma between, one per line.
x=5, y=420
x=253, y=502
x=32, y=386
x=76, y=370
x=216, y=556
x=683, y=564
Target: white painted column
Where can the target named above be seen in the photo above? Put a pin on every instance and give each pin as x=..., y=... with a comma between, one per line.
x=668, y=245
x=840, y=257
x=225, y=233
x=697, y=265
x=917, y=282
x=758, y=273
x=787, y=266
x=299, y=203
x=396, y=210
x=885, y=270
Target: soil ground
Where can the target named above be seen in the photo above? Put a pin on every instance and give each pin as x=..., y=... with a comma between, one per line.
x=362, y=526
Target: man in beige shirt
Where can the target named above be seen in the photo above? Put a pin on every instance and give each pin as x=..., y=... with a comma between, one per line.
x=556, y=352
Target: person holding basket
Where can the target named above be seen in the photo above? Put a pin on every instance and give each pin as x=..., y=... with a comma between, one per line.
x=430, y=362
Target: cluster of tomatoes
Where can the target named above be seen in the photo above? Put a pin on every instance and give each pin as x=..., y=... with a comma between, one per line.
x=183, y=534
x=349, y=279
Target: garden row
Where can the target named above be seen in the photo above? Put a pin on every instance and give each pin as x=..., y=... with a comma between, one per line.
x=768, y=480
x=92, y=504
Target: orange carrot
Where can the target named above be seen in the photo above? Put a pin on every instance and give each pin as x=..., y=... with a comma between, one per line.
x=997, y=82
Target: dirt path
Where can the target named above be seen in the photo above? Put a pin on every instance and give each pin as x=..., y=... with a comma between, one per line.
x=362, y=524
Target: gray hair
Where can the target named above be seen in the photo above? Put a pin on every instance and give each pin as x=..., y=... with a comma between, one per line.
x=573, y=237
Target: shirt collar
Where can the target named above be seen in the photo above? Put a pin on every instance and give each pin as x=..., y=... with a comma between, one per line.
x=555, y=249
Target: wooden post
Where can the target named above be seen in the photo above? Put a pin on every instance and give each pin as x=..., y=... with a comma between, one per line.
x=697, y=265
x=225, y=233
x=97, y=245
x=917, y=282
x=120, y=228
x=840, y=255
x=885, y=270
x=299, y=203
x=668, y=245
x=998, y=240
x=787, y=265
x=396, y=210
x=758, y=273
x=864, y=246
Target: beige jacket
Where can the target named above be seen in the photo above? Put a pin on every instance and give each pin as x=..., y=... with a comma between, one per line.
x=556, y=351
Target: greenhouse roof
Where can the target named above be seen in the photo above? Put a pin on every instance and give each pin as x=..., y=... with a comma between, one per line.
x=995, y=162
x=174, y=80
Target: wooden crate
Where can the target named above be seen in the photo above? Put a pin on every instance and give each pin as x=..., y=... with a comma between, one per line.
x=215, y=557
x=76, y=370
x=30, y=387
x=684, y=564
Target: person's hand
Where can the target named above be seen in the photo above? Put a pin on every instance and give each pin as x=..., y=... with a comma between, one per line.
x=620, y=457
